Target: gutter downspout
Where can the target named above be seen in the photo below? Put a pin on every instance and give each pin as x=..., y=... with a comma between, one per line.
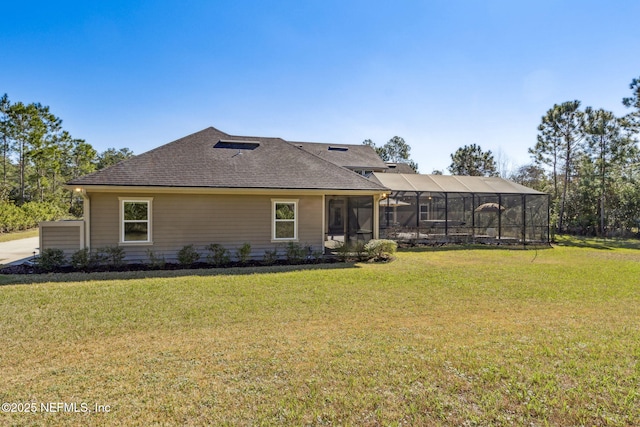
x=324, y=223
x=499, y=217
x=376, y=215
x=86, y=211
x=524, y=220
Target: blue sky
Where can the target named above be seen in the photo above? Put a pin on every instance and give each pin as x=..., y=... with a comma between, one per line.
x=440, y=74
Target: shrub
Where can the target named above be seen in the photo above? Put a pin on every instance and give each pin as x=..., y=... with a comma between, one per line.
x=155, y=261
x=83, y=259
x=294, y=253
x=343, y=251
x=316, y=256
x=16, y=218
x=380, y=249
x=188, y=255
x=50, y=259
x=12, y=218
x=113, y=255
x=270, y=257
x=98, y=257
x=243, y=253
x=42, y=211
x=354, y=251
x=218, y=255
x=359, y=251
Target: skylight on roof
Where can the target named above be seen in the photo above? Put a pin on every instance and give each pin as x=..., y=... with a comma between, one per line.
x=338, y=148
x=237, y=145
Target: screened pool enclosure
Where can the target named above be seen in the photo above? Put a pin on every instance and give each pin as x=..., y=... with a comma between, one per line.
x=461, y=209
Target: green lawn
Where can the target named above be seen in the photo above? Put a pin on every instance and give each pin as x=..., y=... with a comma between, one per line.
x=7, y=237
x=437, y=337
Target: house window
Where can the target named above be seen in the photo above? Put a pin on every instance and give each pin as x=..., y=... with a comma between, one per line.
x=285, y=219
x=424, y=212
x=135, y=220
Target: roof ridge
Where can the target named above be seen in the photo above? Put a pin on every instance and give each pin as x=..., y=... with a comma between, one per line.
x=333, y=164
x=324, y=143
x=187, y=162
x=145, y=153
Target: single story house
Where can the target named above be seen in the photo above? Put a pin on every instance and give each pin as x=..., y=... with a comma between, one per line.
x=212, y=187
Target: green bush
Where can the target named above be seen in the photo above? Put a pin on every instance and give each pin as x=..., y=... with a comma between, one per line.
x=316, y=256
x=12, y=218
x=359, y=251
x=50, y=259
x=380, y=249
x=353, y=251
x=16, y=218
x=188, y=255
x=243, y=253
x=218, y=255
x=98, y=257
x=294, y=253
x=155, y=261
x=113, y=255
x=343, y=251
x=270, y=257
x=83, y=259
x=42, y=211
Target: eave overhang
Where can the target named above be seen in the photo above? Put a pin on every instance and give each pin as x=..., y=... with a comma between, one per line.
x=218, y=190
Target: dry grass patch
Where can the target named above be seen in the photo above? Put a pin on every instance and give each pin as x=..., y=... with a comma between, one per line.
x=466, y=337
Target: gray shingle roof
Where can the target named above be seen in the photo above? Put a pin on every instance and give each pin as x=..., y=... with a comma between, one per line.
x=349, y=156
x=236, y=162
x=399, y=168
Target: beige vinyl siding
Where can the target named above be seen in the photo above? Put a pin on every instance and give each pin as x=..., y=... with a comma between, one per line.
x=182, y=219
x=65, y=235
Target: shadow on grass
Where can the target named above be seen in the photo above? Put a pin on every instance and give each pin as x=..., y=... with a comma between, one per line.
x=597, y=243
x=27, y=279
x=463, y=247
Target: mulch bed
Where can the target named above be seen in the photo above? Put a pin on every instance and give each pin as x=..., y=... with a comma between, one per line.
x=30, y=268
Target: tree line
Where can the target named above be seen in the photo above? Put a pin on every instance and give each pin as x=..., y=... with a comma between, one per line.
x=38, y=156
x=587, y=160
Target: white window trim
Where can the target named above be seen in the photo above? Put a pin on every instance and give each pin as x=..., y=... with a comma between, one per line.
x=424, y=212
x=273, y=220
x=149, y=202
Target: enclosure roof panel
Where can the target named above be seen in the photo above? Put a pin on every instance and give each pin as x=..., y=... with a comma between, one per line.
x=451, y=184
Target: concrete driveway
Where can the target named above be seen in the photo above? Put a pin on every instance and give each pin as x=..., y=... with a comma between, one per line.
x=18, y=251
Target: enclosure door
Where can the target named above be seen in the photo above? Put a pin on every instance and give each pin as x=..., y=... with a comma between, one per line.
x=360, y=220
x=349, y=219
x=337, y=220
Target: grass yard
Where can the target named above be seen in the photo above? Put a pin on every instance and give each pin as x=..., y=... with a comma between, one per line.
x=437, y=337
x=7, y=237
